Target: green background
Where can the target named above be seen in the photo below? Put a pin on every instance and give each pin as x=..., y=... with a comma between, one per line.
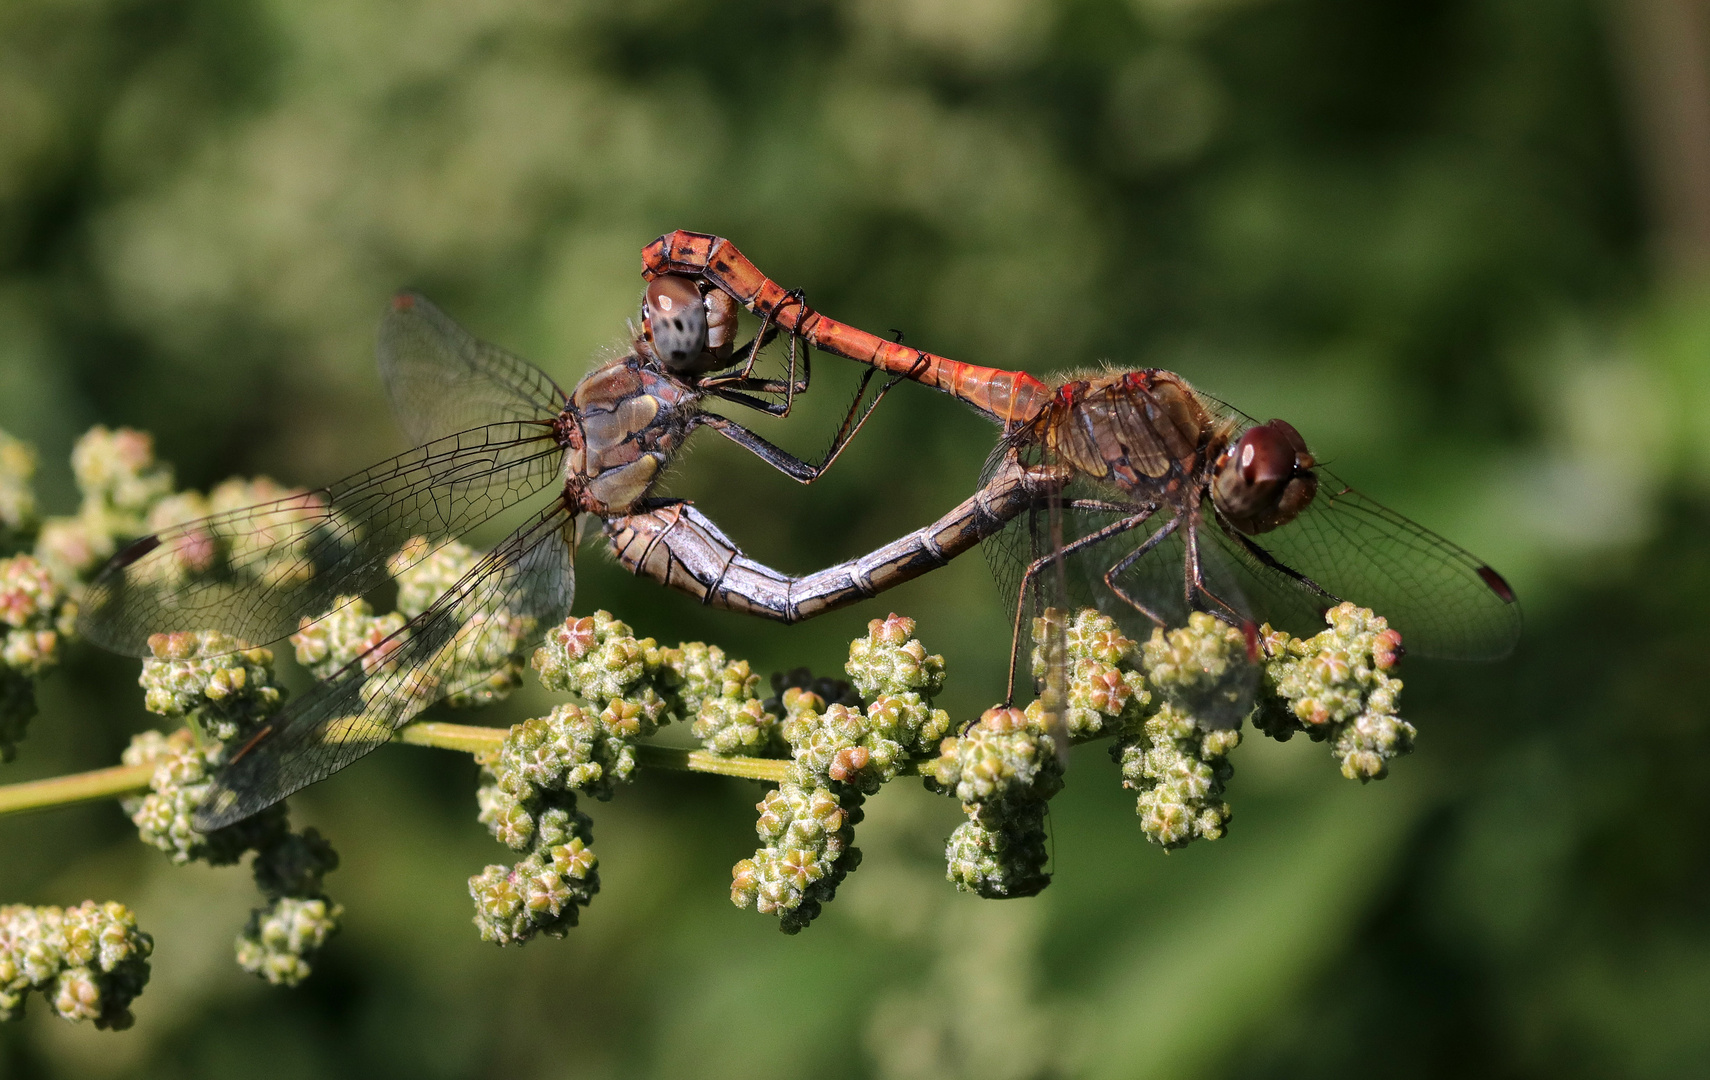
x=1461, y=244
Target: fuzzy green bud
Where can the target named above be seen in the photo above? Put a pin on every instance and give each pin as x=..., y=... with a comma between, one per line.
x=349, y=630
x=282, y=939
x=806, y=836
x=1337, y=687
x=89, y=962
x=889, y=660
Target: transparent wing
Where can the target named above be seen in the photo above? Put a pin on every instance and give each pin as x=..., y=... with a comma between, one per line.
x=256, y=572
x=502, y=605
x=1445, y=601
x=441, y=379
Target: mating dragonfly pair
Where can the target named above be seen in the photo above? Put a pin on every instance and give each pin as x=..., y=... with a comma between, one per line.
x=1161, y=499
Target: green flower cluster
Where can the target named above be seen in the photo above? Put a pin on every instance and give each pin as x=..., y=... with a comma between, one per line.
x=1180, y=771
x=90, y=961
x=35, y=618
x=17, y=494
x=425, y=571
x=807, y=850
x=120, y=482
x=349, y=630
x=528, y=802
x=1177, y=757
x=489, y=650
x=282, y=938
x=729, y=716
x=1337, y=687
x=528, y=794
x=223, y=692
x=271, y=547
x=1004, y=769
x=840, y=754
x=1106, y=691
x=599, y=659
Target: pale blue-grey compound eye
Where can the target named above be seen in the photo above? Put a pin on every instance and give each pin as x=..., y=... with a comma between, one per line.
x=675, y=320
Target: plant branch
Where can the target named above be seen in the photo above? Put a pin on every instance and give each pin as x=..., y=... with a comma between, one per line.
x=75, y=788
x=466, y=738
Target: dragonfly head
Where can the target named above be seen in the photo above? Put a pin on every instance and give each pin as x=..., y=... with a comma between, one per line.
x=1265, y=479
x=688, y=334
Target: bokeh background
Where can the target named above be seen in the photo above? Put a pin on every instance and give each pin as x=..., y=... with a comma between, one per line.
x=1462, y=244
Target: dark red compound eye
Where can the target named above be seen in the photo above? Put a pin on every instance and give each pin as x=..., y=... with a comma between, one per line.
x=1265, y=479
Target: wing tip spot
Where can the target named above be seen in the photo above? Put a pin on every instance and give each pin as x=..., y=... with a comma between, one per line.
x=136, y=550
x=403, y=301
x=1497, y=584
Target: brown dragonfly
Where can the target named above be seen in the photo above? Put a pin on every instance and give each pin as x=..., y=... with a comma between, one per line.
x=1161, y=498
x=492, y=431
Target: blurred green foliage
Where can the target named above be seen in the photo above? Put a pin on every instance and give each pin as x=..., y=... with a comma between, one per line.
x=1415, y=229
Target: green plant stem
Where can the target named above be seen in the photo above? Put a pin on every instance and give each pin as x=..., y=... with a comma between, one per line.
x=76, y=788
x=466, y=738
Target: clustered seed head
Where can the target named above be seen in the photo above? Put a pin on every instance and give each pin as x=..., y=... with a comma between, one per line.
x=225, y=691
x=1106, y=692
x=1180, y=771
x=89, y=962
x=119, y=478
x=598, y=658
x=280, y=940
x=889, y=660
x=210, y=678
x=528, y=802
x=183, y=775
x=1004, y=769
x=806, y=835
x=1337, y=687
x=349, y=630
x=120, y=481
x=841, y=752
x=544, y=892
x=568, y=748
x=35, y=618
x=17, y=493
x=1203, y=670
x=487, y=652
x=860, y=749
x=425, y=571
x=730, y=718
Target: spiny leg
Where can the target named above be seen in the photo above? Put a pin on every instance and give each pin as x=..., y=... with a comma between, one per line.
x=1035, y=568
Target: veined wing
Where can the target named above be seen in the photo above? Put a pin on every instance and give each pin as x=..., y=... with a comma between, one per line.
x=1445, y=601
x=504, y=603
x=441, y=379
x=256, y=572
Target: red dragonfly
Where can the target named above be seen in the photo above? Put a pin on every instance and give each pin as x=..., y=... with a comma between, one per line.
x=492, y=431
x=1165, y=500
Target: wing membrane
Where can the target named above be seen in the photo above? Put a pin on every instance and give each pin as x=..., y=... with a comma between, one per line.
x=441, y=379
x=500, y=606
x=1445, y=601
x=256, y=572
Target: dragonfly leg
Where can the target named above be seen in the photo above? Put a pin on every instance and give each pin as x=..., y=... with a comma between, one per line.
x=784, y=461
x=1038, y=566
x=1130, y=559
x=1270, y=562
x=1196, y=587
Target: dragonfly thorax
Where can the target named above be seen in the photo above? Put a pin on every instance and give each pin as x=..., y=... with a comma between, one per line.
x=624, y=423
x=1139, y=430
